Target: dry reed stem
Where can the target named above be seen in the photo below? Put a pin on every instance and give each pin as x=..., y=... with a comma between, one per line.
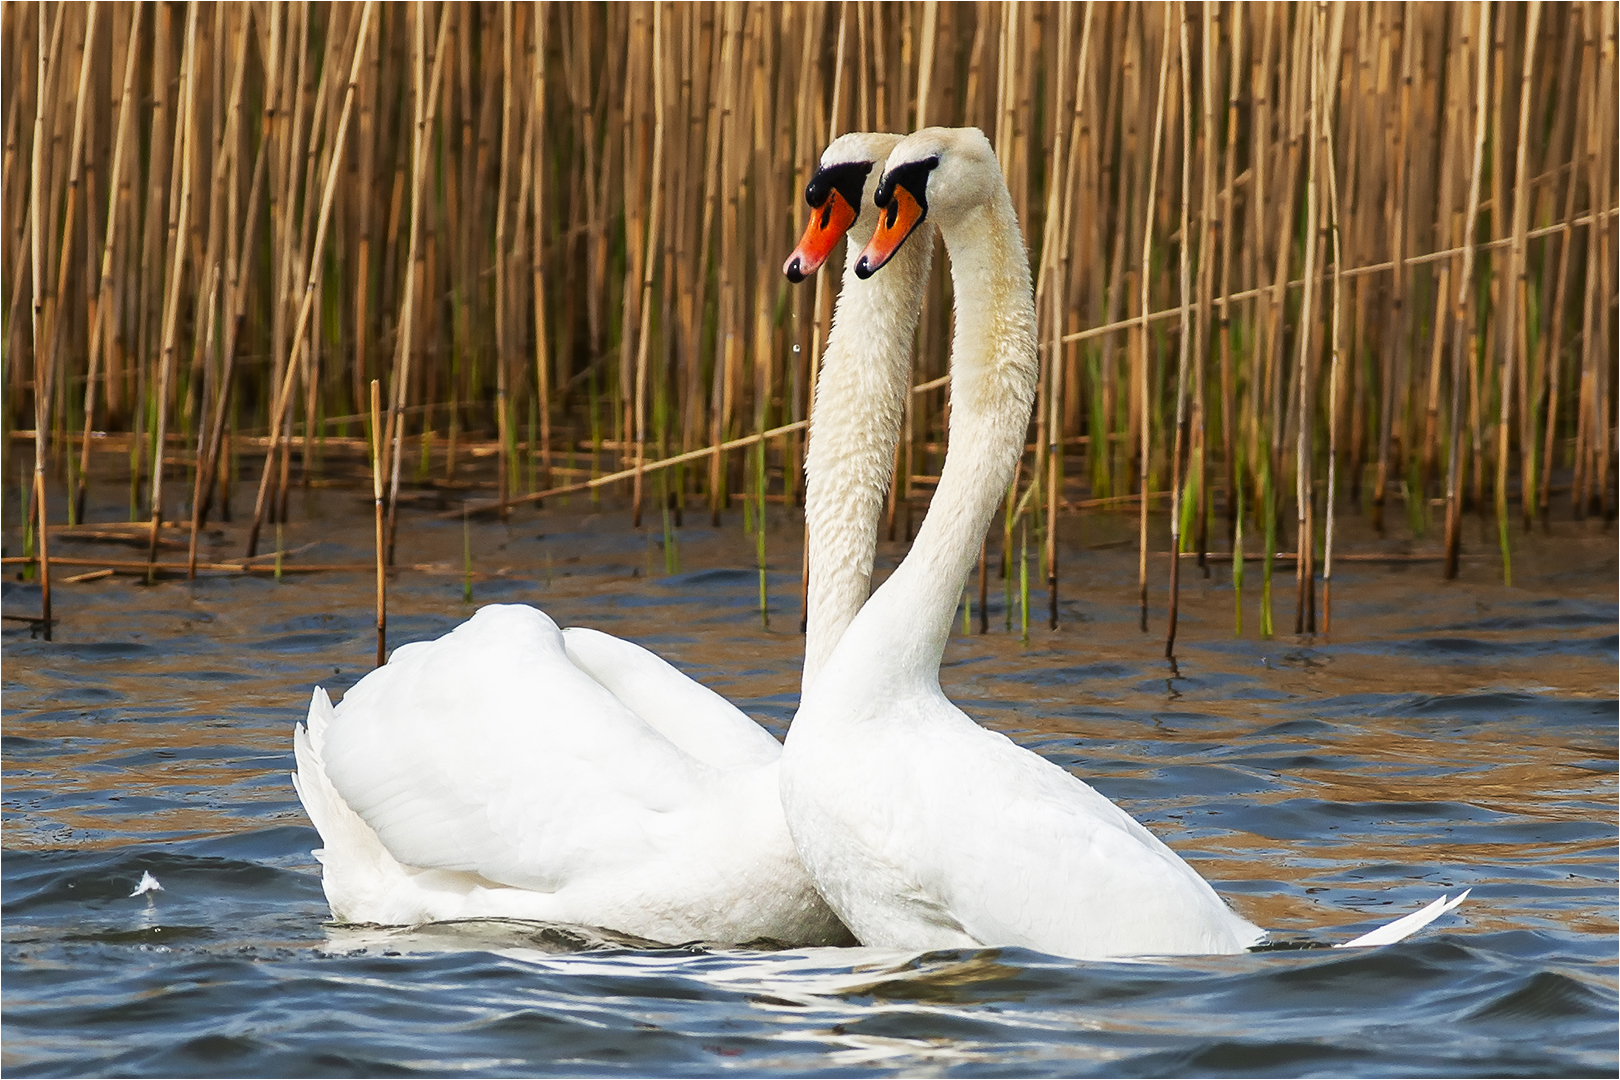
x=377, y=522
x=1459, y=311
x=758, y=91
x=1142, y=334
x=278, y=410
x=1184, y=291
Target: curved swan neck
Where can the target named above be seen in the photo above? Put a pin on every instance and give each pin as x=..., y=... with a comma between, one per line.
x=900, y=634
x=855, y=425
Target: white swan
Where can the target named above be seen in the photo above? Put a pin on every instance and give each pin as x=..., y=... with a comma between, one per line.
x=512, y=769
x=922, y=829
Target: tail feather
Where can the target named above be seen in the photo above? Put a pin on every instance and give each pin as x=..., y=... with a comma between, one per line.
x=355, y=866
x=1405, y=926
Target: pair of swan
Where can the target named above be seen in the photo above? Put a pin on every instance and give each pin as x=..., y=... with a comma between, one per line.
x=512, y=769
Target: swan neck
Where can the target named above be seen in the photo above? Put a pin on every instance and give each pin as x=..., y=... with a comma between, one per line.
x=993, y=377
x=855, y=426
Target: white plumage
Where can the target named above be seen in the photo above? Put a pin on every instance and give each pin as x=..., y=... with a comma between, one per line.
x=922, y=829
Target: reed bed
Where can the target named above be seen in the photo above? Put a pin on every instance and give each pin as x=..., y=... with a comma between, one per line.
x=1292, y=260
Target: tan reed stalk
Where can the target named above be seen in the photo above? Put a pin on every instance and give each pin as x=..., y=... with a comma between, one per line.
x=1595, y=345
x=362, y=198
x=1304, y=580
x=1481, y=366
x=377, y=522
x=236, y=291
x=542, y=361
x=1142, y=333
x=1447, y=227
x=178, y=223
x=1369, y=168
x=1395, y=212
x=1536, y=461
x=1261, y=101
x=277, y=411
x=925, y=61
x=1206, y=285
x=1296, y=73
x=1582, y=152
x=720, y=402
x=654, y=194
x=1330, y=170
x=102, y=312
x=1516, y=288
x=225, y=171
x=320, y=152
x=37, y=275
x=1185, y=343
x=626, y=474
x=503, y=329
x=1459, y=313
x=633, y=156
x=57, y=89
x=426, y=98
x=1067, y=155
x=75, y=163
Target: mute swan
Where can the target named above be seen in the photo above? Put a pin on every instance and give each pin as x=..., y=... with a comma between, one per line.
x=512, y=769
x=922, y=829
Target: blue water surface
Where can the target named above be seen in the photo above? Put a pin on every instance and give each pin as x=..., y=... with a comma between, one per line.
x=1444, y=736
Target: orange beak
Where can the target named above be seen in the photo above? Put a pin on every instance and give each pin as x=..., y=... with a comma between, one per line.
x=897, y=221
x=828, y=224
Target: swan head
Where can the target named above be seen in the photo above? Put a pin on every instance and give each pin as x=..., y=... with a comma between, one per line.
x=843, y=183
x=938, y=173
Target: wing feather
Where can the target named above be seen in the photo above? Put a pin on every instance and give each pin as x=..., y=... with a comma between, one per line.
x=487, y=751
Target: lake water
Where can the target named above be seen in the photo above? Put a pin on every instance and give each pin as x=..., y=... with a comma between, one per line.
x=1446, y=736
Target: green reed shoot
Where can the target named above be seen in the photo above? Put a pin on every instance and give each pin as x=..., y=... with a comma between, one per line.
x=672, y=557
x=1023, y=585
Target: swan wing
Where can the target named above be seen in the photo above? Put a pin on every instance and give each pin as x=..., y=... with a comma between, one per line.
x=1036, y=856
x=487, y=751
x=683, y=710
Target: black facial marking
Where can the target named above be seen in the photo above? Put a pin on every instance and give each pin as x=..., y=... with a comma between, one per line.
x=913, y=176
x=848, y=179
